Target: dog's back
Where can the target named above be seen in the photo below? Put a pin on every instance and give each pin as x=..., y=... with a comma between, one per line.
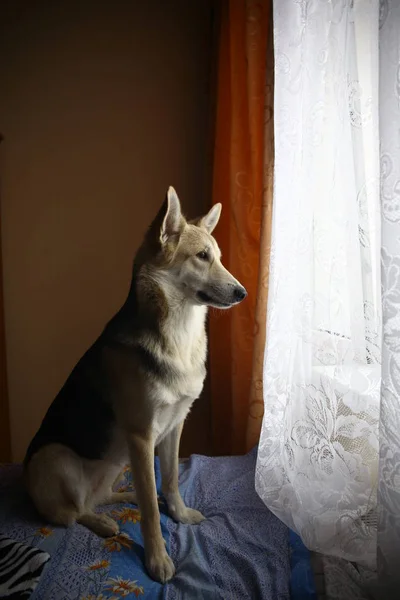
x=80, y=416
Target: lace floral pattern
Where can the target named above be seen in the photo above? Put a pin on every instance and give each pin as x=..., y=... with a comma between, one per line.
x=317, y=465
x=389, y=462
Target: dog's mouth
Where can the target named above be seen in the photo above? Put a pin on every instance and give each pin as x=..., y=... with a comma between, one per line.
x=206, y=299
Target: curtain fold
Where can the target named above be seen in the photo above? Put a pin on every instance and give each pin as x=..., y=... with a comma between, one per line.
x=329, y=454
x=389, y=438
x=317, y=467
x=241, y=162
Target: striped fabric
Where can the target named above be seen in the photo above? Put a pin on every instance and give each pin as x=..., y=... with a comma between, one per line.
x=20, y=569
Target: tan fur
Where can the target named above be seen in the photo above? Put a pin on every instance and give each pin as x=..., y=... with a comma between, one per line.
x=150, y=409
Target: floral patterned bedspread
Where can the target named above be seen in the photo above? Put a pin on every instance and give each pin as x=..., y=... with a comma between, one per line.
x=82, y=566
x=240, y=551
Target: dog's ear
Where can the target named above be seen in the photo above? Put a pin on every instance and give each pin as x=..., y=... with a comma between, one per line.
x=210, y=221
x=173, y=221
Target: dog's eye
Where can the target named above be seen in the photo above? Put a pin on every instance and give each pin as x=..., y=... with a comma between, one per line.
x=202, y=255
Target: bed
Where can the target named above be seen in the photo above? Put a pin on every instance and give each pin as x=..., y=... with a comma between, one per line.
x=240, y=551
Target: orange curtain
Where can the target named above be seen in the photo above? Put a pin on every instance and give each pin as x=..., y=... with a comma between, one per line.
x=242, y=175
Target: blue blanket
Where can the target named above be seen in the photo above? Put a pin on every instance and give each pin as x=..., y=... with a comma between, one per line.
x=82, y=565
x=240, y=551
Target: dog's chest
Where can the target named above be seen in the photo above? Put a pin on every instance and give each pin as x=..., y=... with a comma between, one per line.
x=171, y=403
x=173, y=395
x=173, y=399
x=167, y=418
x=187, y=340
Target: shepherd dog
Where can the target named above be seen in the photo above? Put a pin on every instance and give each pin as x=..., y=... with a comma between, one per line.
x=131, y=391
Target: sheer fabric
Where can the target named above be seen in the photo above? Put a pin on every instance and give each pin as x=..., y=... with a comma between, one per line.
x=317, y=465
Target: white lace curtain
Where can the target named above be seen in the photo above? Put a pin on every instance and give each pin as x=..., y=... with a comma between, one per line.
x=337, y=175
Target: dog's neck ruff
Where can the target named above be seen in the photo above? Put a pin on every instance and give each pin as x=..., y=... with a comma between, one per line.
x=180, y=311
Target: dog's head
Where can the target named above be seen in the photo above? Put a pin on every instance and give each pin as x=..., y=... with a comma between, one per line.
x=189, y=257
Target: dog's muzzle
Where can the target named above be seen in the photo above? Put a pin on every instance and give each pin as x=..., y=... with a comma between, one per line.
x=236, y=295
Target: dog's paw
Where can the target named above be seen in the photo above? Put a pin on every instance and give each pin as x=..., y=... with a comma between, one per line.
x=160, y=566
x=104, y=525
x=180, y=512
x=189, y=516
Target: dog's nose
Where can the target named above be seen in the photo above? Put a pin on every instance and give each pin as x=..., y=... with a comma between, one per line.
x=240, y=293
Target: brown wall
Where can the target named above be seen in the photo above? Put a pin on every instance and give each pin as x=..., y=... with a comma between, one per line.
x=102, y=106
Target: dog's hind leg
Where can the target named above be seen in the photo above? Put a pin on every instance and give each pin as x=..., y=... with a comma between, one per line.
x=65, y=489
x=102, y=492
x=101, y=524
x=56, y=484
x=120, y=497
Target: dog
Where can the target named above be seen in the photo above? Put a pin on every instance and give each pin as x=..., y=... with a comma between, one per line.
x=132, y=390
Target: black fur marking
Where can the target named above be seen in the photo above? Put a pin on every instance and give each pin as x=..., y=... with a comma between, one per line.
x=80, y=417
x=158, y=368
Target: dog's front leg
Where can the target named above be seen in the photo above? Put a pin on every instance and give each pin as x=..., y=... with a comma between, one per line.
x=158, y=563
x=168, y=451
